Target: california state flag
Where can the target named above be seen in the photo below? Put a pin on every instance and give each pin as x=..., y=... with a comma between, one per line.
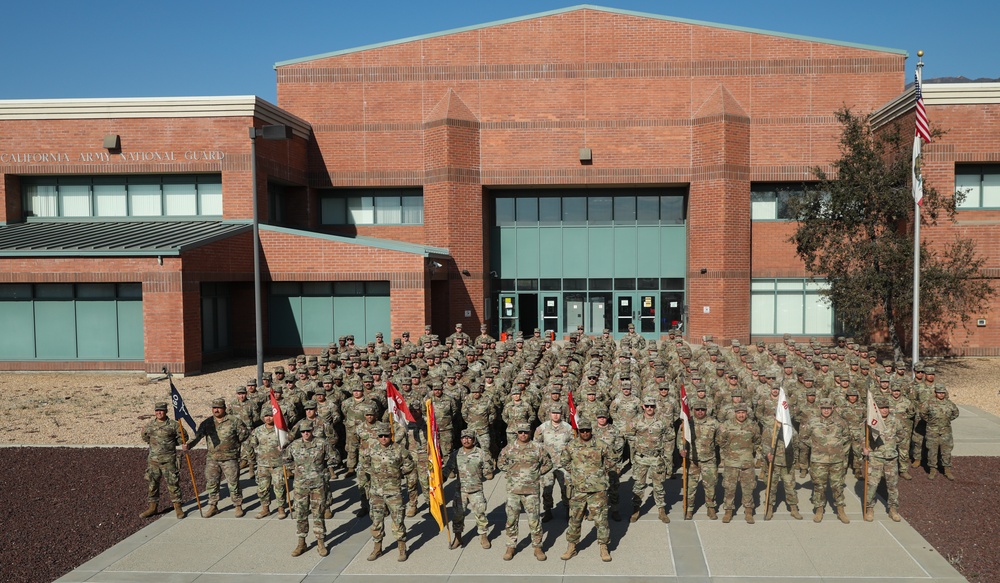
x=280, y=427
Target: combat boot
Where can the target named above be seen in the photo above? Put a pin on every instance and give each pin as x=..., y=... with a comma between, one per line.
x=327, y=514
x=211, y=511
x=857, y=474
x=905, y=474
x=712, y=515
x=282, y=513
x=894, y=514
x=605, y=555
x=365, y=508
x=456, y=543
x=321, y=547
x=509, y=553
x=663, y=516
x=301, y=548
x=932, y=474
x=178, y=511
x=948, y=474
x=411, y=508
x=243, y=464
x=749, y=516
x=540, y=554
x=803, y=472
x=484, y=540
x=264, y=511
x=616, y=516
x=239, y=511
x=769, y=514
x=842, y=515
x=150, y=511
x=636, y=506
x=570, y=552
x=689, y=515
x=915, y=464
x=401, y=544
x=793, y=509
x=727, y=516
x=818, y=516
x=869, y=514
x=376, y=551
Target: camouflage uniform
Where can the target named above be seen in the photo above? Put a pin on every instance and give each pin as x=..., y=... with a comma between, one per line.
x=653, y=443
x=473, y=467
x=939, y=413
x=612, y=438
x=882, y=462
x=354, y=415
x=444, y=413
x=524, y=464
x=904, y=411
x=828, y=441
x=703, y=461
x=737, y=443
x=224, y=437
x=270, y=467
x=553, y=437
x=514, y=413
x=588, y=464
x=386, y=467
x=163, y=438
x=311, y=461
x=477, y=412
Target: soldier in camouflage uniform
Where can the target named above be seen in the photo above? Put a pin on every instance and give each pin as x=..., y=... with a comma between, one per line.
x=588, y=462
x=882, y=461
x=224, y=434
x=386, y=465
x=525, y=462
x=653, y=443
x=246, y=410
x=353, y=409
x=270, y=469
x=477, y=412
x=611, y=437
x=515, y=412
x=473, y=466
x=312, y=461
x=828, y=438
x=738, y=438
x=703, y=461
x=939, y=412
x=903, y=410
x=553, y=435
x=783, y=460
x=163, y=437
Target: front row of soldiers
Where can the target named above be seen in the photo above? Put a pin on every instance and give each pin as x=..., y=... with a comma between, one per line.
x=586, y=466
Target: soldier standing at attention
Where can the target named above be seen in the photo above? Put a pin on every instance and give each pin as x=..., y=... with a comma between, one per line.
x=224, y=435
x=882, y=461
x=386, y=464
x=611, y=437
x=163, y=437
x=553, y=435
x=312, y=462
x=828, y=438
x=939, y=412
x=524, y=461
x=738, y=439
x=653, y=441
x=703, y=461
x=473, y=465
x=264, y=440
x=588, y=462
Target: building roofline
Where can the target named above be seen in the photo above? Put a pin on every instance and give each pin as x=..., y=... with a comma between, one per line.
x=153, y=107
x=588, y=7
x=374, y=242
x=936, y=94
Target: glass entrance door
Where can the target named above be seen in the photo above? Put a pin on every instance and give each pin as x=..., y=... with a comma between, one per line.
x=647, y=314
x=624, y=312
x=508, y=313
x=550, y=313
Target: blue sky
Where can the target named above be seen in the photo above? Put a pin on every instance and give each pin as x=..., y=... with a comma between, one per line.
x=62, y=48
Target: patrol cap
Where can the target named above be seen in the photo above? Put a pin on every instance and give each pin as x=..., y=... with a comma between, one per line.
x=476, y=389
x=808, y=376
x=468, y=433
x=649, y=401
x=881, y=401
x=523, y=427
x=310, y=404
x=267, y=376
x=601, y=411
x=251, y=383
x=306, y=425
x=584, y=425
x=555, y=409
x=929, y=370
x=278, y=389
x=741, y=407
x=161, y=406
x=369, y=409
x=940, y=389
x=591, y=391
x=515, y=391
x=811, y=391
x=217, y=403
x=852, y=392
x=267, y=410
x=357, y=389
x=699, y=404
x=241, y=389
x=826, y=403
x=280, y=369
x=382, y=428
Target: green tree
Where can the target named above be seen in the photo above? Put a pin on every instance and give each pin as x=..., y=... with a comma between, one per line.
x=856, y=231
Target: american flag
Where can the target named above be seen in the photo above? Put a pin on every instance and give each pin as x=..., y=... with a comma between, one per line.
x=923, y=129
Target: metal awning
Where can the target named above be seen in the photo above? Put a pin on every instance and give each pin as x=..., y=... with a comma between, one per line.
x=106, y=238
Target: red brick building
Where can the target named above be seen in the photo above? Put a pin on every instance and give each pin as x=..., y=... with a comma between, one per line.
x=583, y=167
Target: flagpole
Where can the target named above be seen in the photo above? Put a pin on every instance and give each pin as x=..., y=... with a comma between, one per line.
x=288, y=490
x=864, y=503
x=770, y=465
x=916, y=237
x=685, y=466
x=187, y=456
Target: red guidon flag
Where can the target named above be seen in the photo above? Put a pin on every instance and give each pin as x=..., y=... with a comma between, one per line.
x=685, y=415
x=397, y=405
x=280, y=427
x=573, y=417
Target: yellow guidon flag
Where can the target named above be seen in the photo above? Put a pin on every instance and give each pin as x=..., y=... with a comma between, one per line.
x=435, y=483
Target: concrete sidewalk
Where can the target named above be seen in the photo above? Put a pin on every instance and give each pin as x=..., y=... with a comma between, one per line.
x=224, y=548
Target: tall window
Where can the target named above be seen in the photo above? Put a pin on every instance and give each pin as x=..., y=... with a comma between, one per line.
x=794, y=306
x=980, y=183
x=372, y=207
x=123, y=196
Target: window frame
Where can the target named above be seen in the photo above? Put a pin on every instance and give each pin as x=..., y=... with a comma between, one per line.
x=339, y=203
x=982, y=169
x=202, y=184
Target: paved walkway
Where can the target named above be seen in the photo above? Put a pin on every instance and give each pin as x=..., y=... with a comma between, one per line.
x=226, y=549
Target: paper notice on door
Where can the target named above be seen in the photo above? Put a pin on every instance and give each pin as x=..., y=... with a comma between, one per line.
x=673, y=304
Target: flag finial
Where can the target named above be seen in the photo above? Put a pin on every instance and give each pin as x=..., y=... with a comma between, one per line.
x=920, y=53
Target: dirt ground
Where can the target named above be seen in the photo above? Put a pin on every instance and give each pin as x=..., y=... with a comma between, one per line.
x=110, y=408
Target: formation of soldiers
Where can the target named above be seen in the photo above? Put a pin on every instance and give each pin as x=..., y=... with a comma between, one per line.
x=509, y=404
